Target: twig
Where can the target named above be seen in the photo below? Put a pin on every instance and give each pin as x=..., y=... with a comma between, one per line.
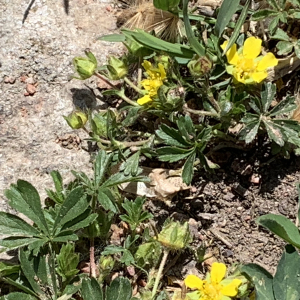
x=217, y=234
x=105, y=80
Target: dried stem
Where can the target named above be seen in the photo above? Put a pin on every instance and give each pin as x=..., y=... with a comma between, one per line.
x=105, y=80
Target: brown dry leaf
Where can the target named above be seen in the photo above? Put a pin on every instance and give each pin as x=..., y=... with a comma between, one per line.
x=164, y=184
x=117, y=234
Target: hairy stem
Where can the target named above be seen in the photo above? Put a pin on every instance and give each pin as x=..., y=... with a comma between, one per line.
x=92, y=258
x=132, y=85
x=160, y=270
x=200, y=112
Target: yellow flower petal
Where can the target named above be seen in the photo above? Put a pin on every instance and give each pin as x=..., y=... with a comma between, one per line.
x=269, y=60
x=218, y=271
x=252, y=47
x=144, y=100
x=147, y=65
x=162, y=71
x=231, y=289
x=259, y=76
x=193, y=282
x=231, y=54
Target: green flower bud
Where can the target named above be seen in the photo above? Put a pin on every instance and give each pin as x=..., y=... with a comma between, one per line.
x=164, y=60
x=117, y=68
x=175, y=236
x=199, y=66
x=85, y=67
x=76, y=119
x=106, y=263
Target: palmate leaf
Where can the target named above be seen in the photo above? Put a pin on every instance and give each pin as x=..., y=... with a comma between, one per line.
x=186, y=127
x=285, y=106
x=264, y=13
x=284, y=47
x=188, y=168
x=119, y=289
x=275, y=132
x=72, y=207
x=172, y=154
x=107, y=200
x=101, y=166
x=91, y=289
x=25, y=199
x=12, y=243
x=267, y=96
x=249, y=132
x=171, y=136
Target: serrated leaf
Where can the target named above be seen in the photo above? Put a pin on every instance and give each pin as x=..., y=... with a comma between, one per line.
x=72, y=207
x=8, y=269
x=284, y=47
x=249, y=132
x=275, y=132
x=186, y=127
x=282, y=227
x=16, y=242
x=106, y=199
x=119, y=289
x=14, y=226
x=65, y=236
x=91, y=289
x=67, y=261
x=172, y=154
x=27, y=266
x=261, y=279
x=280, y=35
x=25, y=199
x=273, y=25
x=58, y=183
x=267, y=95
x=227, y=9
x=18, y=296
x=171, y=136
x=286, y=282
x=132, y=116
x=264, y=13
x=188, y=169
x=148, y=254
x=81, y=221
x=131, y=165
x=101, y=166
x=285, y=106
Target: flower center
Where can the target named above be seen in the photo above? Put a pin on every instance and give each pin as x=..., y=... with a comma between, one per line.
x=245, y=67
x=211, y=291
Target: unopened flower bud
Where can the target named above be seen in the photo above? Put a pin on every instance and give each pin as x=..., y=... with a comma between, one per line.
x=199, y=66
x=106, y=263
x=76, y=119
x=85, y=67
x=164, y=60
x=175, y=236
x=117, y=68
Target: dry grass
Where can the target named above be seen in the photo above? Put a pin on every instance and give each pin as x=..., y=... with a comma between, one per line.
x=143, y=15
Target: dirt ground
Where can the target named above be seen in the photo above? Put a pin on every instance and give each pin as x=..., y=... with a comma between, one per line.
x=36, y=91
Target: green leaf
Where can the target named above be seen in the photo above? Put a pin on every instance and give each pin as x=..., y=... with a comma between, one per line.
x=284, y=47
x=166, y=5
x=27, y=266
x=17, y=296
x=264, y=13
x=285, y=106
x=171, y=136
x=273, y=25
x=238, y=26
x=81, y=221
x=25, y=199
x=67, y=261
x=148, y=254
x=172, y=154
x=16, y=242
x=286, y=282
x=186, y=127
x=13, y=225
x=227, y=9
x=131, y=165
x=280, y=35
x=65, y=236
x=119, y=289
x=107, y=200
x=197, y=47
x=157, y=44
x=275, y=132
x=267, y=95
x=72, y=207
x=119, y=178
x=249, y=132
x=261, y=279
x=282, y=227
x=8, y=269
x=102, y=164
x=115, y=38
x=188, y=169
x=91, y=289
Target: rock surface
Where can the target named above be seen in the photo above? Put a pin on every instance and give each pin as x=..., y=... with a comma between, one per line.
x=36, y=89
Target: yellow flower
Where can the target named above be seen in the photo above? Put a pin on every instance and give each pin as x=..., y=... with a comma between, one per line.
x=155, y=79
x=246, y=65
x=214, y=287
